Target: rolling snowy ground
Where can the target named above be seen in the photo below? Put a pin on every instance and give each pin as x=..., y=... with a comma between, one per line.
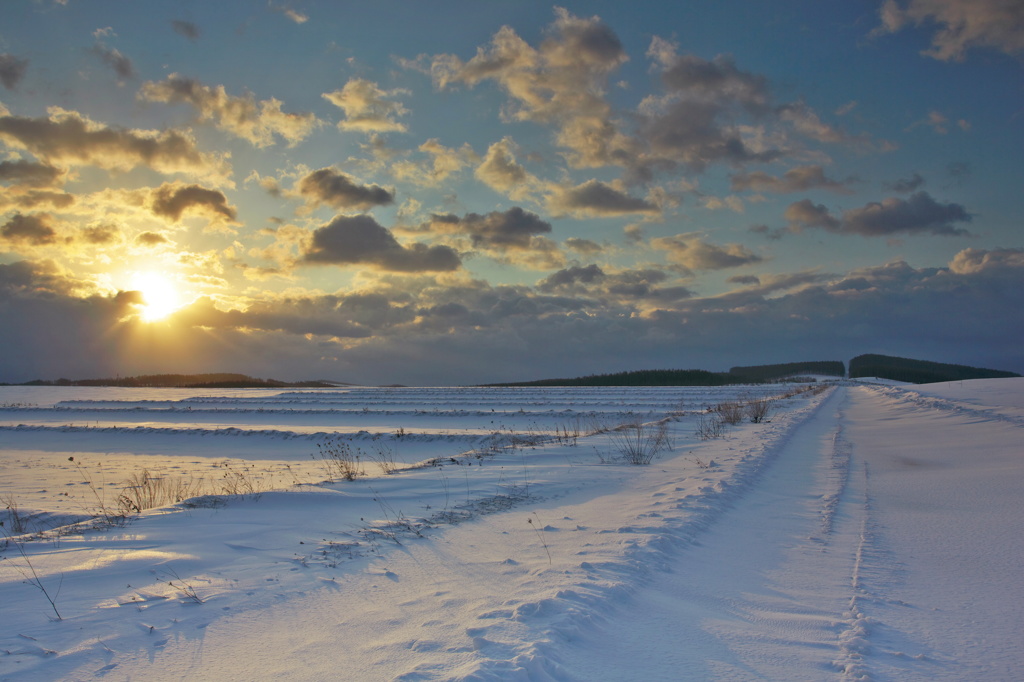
x=861, y=532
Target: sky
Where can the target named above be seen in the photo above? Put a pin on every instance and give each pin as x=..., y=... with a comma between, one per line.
x=471, y=192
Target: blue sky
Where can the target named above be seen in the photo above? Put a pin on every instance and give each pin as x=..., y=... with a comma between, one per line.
x=466, y=192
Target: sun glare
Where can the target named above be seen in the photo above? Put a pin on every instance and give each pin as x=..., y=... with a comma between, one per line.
x=160, y=297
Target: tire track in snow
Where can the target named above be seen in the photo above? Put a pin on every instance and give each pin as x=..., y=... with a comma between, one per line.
x=854, y=643
x=582, y=608
x=839, y=476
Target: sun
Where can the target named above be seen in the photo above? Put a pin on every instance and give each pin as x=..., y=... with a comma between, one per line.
x=159, y=294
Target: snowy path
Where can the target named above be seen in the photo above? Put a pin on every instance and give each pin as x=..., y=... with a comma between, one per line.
x=761, y=594
x=878, y=546
x=942, y=579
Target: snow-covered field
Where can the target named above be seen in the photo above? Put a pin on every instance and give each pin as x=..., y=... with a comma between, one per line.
x=861, y=532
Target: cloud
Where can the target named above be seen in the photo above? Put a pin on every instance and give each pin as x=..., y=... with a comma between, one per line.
x=101, y=235
x=256, y=122
x=939, y=123
x=29, y=229
x=173, y=200
x=805, y=213
x=586, y=247
x=567, y=279
x=151, y=239
x=12, y=70
x=595, y=198
x=360, y=240
x=692, y=124
x=771, y=284
x=514, y=236
x=500, y=171
x=187, y=29
x=800, y=179
x=331, y=187
x=290, y=12
x=711, y=111
x=562, y=82
x=32, y=199
x=511, y=229
x=731, y=202
x=367, y=108
x=718, y=80
x=974, y=261
x=604, y=287
x=473, y=332
x=67, y=137
x=959, y=24
x=113, y=58
x=297, y=316
x=444, y=162
x=29, y=173
x=906, y=185
x=696, y=254
x=920, y=213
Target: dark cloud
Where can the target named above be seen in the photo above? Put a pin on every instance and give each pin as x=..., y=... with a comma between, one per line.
x=770, y=284
x=799, y=179
x=718, y=80
x=113, y=58
x=918, y=214
x=643, y=284
x=906, y=185
x=151, y=239
x=172, y=200
x=12, y=70
x=30, y=229
x=22, y=172
x=360, y=240
x=511, y=229
x=695, y=122
x=296, y=316
x=690, y=133
x=568, y=277
x=67, y=137
x=959, y=171
x=186, y=29
x=101, y=234
x=625, y=285
x=805, y=213
x=514, y=236
x=969, y=313
x=32, y=199
x=595, y=198
x=331, y=187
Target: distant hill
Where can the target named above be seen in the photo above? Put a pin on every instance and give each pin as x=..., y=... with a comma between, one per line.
x=763, y=373
x=216, y=380
x=918, y=371
x=644, y=377
x=756, y=374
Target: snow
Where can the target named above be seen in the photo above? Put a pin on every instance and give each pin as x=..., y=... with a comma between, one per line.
x=866, y=531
